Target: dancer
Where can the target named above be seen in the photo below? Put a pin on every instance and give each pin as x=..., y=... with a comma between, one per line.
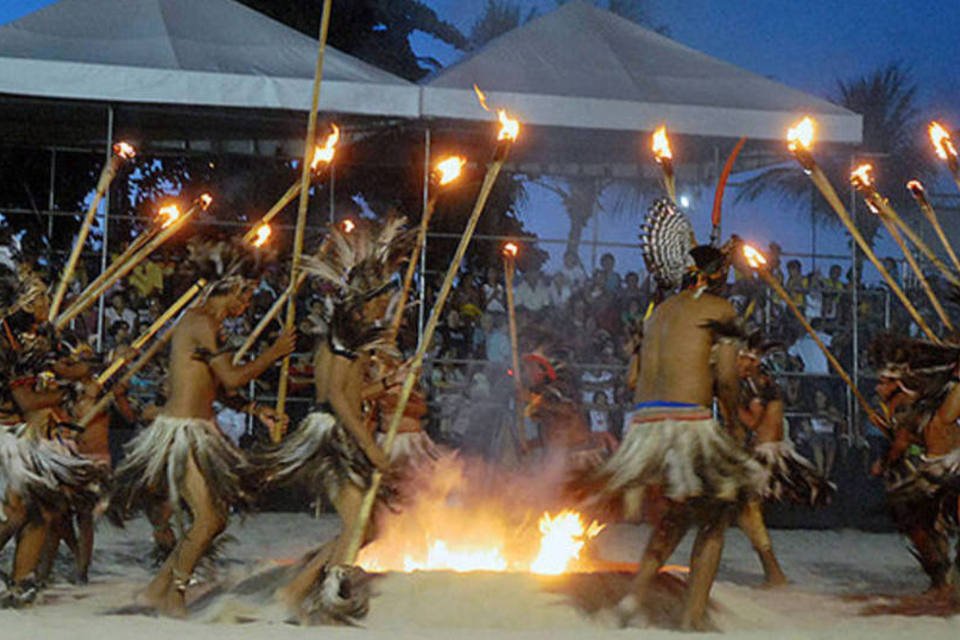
x=183, y=455
x=789, y=475
x=334, y=450
x=672, y=440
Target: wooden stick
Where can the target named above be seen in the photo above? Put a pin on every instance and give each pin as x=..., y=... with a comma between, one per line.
x=359, y=526
x=124, y=269
x=118, y=262
x=837, y=367
x=509, y=270
x=920, y=195
x=267, y=318
x=411, y=269
x=826, y=189
x=308, y=147
x=277, y=207
x=107, y=174
x=884, y=206
x=144, y=337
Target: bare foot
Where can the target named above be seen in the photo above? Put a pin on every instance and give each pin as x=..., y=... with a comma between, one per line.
x=775, y=581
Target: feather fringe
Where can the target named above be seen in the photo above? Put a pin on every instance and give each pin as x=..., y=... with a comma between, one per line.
x=792, y=477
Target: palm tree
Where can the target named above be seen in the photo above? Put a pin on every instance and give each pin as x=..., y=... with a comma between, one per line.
x=893, y=141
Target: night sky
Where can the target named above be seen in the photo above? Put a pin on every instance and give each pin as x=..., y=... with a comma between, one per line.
x=808, y=45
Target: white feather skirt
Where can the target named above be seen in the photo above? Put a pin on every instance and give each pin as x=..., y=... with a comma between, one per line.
x=790, y=476
x=155, y=463
x=685, y=452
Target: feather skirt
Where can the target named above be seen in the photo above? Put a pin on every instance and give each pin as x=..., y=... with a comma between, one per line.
x=790, y=476
x=320, y=455
x=686, y=453
x=47, y=472
x=155, y=466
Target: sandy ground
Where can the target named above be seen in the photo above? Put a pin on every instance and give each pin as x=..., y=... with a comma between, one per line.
x=827, y=569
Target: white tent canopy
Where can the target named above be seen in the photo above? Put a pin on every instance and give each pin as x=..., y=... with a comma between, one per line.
x=583, y=67
x=214, y=53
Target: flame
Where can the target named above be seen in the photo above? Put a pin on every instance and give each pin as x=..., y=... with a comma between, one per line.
x=205, y=201
x=509, y=128
x=348, y=225
x=801, y=134
x=563, y=538
x=940, y=138
x=455, y=522
x=511, y=250
x=661, y=145
x=481, y=97
x=860, y=177
x=169, y=215
x=916, y=188
x=449, y=169
x=754, y=258
x=124, y=150
x=325, y=153
x=262, y=235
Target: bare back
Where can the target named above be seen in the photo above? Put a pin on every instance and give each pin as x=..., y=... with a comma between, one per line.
x=327, y=366
x=193, y=386
x=675, y=360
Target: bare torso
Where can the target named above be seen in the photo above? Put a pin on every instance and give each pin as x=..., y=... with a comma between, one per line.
x=192, y=384
x=676, y=353
x=351, y=386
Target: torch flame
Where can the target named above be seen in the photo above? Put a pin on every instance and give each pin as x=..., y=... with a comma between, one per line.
x=801, y=134
x=325, y=153
x=169, y=215
x=510, y=250
x=262, y=235
x=124, y=150
x=661, y=145
x=754, y=258
x=481, y=97
x=564, y=536
x=449, y=169
x=206, y=200
x=860, y=177
x=941, y=141
x=348, y=225
x=916, y=188
x=509, y=128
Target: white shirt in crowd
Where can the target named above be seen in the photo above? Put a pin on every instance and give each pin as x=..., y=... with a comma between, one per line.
x=532, y=298
x=807, y=350
x=128, y=315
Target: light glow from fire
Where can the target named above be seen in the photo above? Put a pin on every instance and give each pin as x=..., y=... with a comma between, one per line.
x=205, y=201
x=754, y=258
x=348, y=225
x=325, y=154
x=861, y=178
x=510, y=250
x=801, y=135
x=124, y=150
x=661, y=145
x=916, y=188
x=509, y=127
x=481, y=97
x=564, y=536
x=262, y=235
x=449, y=169
x=942, y=143
x=168, y=215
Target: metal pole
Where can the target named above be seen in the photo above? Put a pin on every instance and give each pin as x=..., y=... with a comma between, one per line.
x=595, y=214
x=51, y=201
x=853, y=409
x=105, y=242
x=423, y=249
x=333, y=194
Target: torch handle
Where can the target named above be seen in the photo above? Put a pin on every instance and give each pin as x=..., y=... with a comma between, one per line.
x=837, y=367
x=917, y=241
x=823, y=184
x=135, y=246
x=895, y=234
x=107, y=175
x=508, y=273
x=931, y=216
x=411, y=269
x=269, y=317
x=277, y=207
x=366, y=506
x=126, y=267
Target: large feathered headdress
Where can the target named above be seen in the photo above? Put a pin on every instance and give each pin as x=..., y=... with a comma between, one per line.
x=358, y=266
x=919, y=366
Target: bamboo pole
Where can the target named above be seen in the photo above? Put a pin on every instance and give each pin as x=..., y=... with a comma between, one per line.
x=165, y=234
x=830, y=195
x=884, y=205
x=277, y=207
x=308, y=147
x=920, y=195
x=359, y=526
x=267, y=318
x=121, y=152
x=509, y=270
x=158, y=324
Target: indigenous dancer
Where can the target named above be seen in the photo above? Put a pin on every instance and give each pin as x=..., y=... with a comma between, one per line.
x=183, y=455
x=334, y=451
x=921, y=396
x=673, y=441
x=788, y=474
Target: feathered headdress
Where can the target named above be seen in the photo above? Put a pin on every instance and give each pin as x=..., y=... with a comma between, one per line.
x=359, y=266
x=230, y=266
x=919, y=366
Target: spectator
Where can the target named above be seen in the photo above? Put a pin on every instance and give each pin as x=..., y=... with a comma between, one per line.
x=494, y=297
x=532, y=294
x=120, y=310
x=807, y=350
x=573, y=270
x=497, y=340
x=631, y=286
x=825, y=420
x=797, y=284
x=611, y=279
x=560, y=291
x=832, y=287
x=600, y=413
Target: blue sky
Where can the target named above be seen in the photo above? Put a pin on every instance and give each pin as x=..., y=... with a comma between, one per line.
x=808, y=45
